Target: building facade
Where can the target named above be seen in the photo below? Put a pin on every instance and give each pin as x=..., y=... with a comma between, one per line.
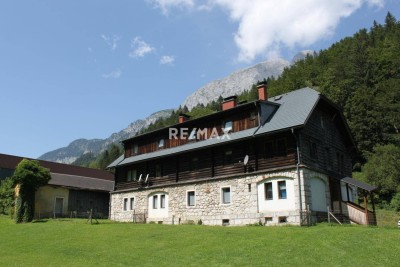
x=72, y=190
x=266, y=162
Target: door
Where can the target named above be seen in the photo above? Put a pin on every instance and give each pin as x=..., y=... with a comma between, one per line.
x=58, y=206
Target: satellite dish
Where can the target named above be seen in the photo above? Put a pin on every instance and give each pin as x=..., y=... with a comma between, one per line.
x=246, y=160
x=140, y=178
x=147, y=178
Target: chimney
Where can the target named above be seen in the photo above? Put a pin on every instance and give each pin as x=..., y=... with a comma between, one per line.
x=183, y=117
x=229, y=102
x=262, y=90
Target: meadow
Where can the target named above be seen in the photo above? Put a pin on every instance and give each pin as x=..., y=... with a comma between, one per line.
x=74, y=242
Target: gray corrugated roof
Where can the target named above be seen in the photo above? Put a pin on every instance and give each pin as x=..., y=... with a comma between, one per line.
x=294, y=109
x=115, y=162
x=359, y=184
x=81, y=182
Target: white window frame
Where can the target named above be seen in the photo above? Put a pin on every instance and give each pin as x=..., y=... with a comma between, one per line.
x=187, y=198
x=155, y=201
x=222, y=195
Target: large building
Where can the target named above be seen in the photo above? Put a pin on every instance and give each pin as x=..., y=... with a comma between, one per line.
x=270, y=161
x=72, y=190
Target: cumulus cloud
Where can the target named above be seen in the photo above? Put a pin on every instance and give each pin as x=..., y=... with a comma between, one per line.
x=166, y=5
x=265, y=26
x=111, y=41
x=140, y=48
x=115, y=74
x=167, y=60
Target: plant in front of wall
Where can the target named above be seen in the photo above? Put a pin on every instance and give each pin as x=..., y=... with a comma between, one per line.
x=28, y=177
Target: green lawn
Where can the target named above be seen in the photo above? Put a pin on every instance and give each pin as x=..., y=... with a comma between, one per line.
x=75, y=243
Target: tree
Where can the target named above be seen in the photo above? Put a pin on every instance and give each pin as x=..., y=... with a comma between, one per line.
x=383, y=170
x=6, y=195
x=28, y=177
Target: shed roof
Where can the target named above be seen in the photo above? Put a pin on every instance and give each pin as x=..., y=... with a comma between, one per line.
x=359, y=184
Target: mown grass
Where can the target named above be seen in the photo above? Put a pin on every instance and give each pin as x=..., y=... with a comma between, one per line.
x=75, y=243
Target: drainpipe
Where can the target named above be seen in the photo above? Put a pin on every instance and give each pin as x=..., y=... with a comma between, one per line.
x=298, y=173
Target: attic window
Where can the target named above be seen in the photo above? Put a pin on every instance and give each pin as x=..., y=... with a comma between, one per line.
x=134, y=149
x=161, y=143
x=252, y=115
x=228, y=126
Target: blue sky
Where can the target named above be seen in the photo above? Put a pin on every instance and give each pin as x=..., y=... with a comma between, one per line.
x=86, y=69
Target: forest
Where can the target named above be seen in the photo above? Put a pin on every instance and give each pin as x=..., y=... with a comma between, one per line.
x=361, y=75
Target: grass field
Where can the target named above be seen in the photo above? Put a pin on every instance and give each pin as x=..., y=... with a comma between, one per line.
x=75, y=243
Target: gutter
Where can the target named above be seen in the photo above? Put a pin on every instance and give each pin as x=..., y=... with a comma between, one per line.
x=298, y=173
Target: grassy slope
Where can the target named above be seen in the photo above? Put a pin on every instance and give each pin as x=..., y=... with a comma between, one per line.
x=75, y=243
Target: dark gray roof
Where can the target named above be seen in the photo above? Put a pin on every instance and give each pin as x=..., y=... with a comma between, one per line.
x=359, y=184
x=293, y=110
x=116, y=162
x=75, y=181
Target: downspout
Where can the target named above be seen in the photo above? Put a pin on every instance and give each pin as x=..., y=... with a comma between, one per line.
x=298, y=173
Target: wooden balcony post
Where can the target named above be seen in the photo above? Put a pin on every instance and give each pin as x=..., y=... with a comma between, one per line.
x=366, y=208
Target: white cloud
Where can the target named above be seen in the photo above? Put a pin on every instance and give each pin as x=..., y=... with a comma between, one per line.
x=140, y=48
x=264, y=26
x=111, y=41
x=167, y=60
x=166, y=5
x=115, y=74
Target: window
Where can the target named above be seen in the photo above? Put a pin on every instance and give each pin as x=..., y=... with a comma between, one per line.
x=125, y=204
x=191, y=198
x=249, y=187
x=132, y=202
x=268, y=191
x=225, y=222
x=269, y=149
x=280, y=147
x=275, y=148
x=282, y=189
x=134, y=149
x=158, y=170
x=226, y=195
x=132, y=175
x=155, y=201
x=252, y=115
x=228, y=126
x=162, y=201
x=194, y=164
x=161, y=143
x=193, y=134
x=228, y=157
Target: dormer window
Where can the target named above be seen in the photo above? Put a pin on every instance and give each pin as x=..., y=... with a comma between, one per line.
x=193, y=134
x=161, y=143
x=228, y=126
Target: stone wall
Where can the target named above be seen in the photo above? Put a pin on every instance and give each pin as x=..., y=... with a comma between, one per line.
x=243, y=208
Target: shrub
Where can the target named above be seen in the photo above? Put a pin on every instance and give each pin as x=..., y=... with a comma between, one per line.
x=395, y=203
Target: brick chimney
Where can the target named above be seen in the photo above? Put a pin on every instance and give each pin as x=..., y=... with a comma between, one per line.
x=229, y=102
x=183, y=117
x=262, y=90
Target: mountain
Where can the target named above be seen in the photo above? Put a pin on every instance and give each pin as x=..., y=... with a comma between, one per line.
x=235, y=83
x=79, y=147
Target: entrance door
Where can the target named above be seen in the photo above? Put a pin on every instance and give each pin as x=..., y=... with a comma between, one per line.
x=58, y=206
